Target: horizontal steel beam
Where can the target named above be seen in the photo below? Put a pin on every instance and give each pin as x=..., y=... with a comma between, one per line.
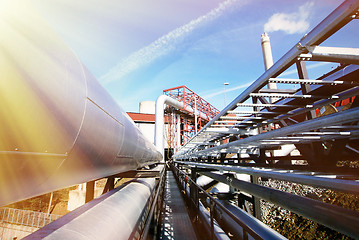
x=350, y=115
x=330, y=183
x=252, y=112
x=269, y=105
x=332, y=54
x=307, y=81
x=277, y=95
x=240, y=118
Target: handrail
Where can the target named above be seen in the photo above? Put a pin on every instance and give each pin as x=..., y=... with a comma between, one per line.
x=181, y=175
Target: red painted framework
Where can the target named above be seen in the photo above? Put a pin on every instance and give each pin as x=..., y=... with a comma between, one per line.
x=188, y=125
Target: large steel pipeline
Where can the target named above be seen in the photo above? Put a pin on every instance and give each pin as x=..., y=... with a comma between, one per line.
x=117, y=214
x=160, y=118
x=59, y=126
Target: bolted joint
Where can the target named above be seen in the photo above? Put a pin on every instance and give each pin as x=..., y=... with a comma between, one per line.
x=304, y=57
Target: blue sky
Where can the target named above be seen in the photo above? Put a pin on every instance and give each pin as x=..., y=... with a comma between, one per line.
x=137, y=48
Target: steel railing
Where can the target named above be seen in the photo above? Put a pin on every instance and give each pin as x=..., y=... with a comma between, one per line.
x=196, y=193
x=26, y=217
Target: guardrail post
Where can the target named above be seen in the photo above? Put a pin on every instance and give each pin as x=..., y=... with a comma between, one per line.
x=194, y=189
x=257, y=211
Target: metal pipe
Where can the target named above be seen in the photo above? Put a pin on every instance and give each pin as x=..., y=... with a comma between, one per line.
x=206, y=218
x=60, y=127
x=115, y=215
x=160, y=118
x=334, y=217
x=330, y=183
x=229, y=225
x=202, y=180
x=333, y=54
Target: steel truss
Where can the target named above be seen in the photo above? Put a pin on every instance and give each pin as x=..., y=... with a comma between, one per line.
x=306, y=133
x=297, y=116
x=190, y=122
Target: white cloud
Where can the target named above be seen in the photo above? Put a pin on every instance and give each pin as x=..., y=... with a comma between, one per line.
x=290, y=23
x=163, y=46
x=218, y=92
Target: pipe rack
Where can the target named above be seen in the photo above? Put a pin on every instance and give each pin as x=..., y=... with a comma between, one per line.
x=290, y=107
x=264, y=132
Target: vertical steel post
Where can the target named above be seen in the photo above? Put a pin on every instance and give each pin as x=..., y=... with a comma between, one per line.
x=90, y=191
x=195, y=115
x=194, y=189
x=257, y=211
x=303, y=74
x=178, y=131
x=50, y=203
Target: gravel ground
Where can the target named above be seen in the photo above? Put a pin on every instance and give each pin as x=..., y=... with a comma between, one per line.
x=294, y=226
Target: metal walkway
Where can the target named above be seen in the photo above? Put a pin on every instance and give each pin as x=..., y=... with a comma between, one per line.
x=176, y=223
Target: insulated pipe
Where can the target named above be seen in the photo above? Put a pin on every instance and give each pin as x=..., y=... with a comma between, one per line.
x=115, y=215
x=59, y=126
x=203, y=180
x=160, y=118
x=284, y=151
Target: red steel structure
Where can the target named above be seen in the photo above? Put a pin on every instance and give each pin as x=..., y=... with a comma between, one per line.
x=190, y=122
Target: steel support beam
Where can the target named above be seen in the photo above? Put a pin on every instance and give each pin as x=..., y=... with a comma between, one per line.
x=350, y=115
x=332, y=54
x=311, y=180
